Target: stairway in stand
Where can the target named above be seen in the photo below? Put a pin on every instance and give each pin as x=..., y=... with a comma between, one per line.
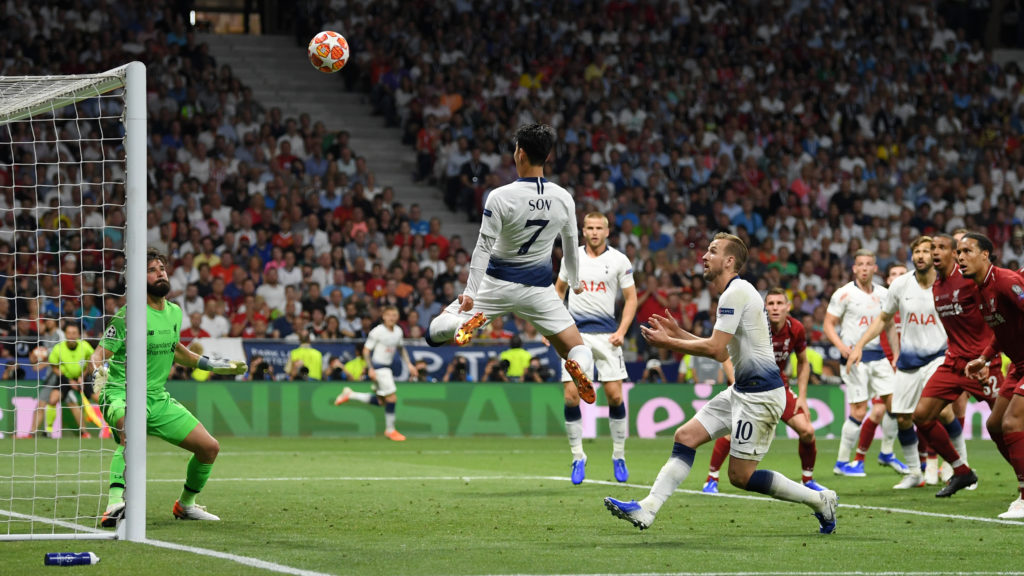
x=280, y=75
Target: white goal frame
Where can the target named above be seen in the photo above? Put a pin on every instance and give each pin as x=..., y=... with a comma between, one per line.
x=35, y=99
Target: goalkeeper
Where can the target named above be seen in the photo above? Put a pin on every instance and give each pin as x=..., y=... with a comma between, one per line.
x=166, y=418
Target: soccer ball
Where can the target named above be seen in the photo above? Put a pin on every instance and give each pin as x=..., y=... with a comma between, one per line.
x=328, y=52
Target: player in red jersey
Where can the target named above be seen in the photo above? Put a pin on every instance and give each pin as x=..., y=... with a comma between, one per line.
x=788, y=337
x=1002, y=307
x=957, y=304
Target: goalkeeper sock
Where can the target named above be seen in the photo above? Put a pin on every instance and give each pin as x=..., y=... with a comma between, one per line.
x=116, y=493
x=196, y=476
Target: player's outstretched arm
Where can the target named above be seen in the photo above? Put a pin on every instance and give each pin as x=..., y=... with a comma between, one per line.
x=190, y=359
x=477, y=266
x=673, y=327
x=712, y=347
x=570, y=255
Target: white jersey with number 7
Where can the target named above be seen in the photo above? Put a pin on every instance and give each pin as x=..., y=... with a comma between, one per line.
x=524, y=217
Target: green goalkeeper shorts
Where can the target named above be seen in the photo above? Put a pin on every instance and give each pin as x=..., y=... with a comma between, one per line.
x=166, y=418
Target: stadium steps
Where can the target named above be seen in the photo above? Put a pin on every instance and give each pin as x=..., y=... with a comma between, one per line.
x=279, y=74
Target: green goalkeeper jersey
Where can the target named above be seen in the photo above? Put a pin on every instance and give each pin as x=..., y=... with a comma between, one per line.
x=163, y=334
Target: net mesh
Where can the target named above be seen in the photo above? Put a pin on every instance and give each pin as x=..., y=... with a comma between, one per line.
x=62, y=230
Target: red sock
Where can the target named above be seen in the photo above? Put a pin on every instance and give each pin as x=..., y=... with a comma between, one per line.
x=1000, y=444
x=938, y=439
x=922, y=445
x=1015, y=447
x=808, y=455
x=718, y=454
x=867, y=435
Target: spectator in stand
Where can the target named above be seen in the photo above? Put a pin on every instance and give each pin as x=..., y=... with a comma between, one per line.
x=194, y=330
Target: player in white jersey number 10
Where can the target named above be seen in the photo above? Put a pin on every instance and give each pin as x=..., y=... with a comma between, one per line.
x=511, y=272
x=749, y=410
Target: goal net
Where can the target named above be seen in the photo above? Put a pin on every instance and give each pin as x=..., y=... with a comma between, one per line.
x=72, y=188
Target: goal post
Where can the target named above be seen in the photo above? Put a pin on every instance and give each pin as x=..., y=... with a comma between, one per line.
x=73, y=178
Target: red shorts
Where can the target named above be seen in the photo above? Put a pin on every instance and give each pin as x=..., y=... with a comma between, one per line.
x=791, y=409
x=1013, y=384
x=949, y=382
x=876, y=400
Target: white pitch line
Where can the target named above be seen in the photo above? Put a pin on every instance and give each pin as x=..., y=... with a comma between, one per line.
x=468, y=478
x=50, y=521
x=243, y=560
x=783, y=574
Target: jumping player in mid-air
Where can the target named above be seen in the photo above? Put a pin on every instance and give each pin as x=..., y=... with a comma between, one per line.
x=511, y=270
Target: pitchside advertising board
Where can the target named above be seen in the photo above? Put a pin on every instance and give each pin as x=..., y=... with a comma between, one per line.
x=298, y=408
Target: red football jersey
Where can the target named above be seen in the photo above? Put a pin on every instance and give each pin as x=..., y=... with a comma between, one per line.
x=957, y=302
x=789, y=339
x=1002, y=306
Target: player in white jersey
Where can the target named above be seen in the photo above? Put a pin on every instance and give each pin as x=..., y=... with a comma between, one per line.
x=749, y=409
x=920, y=351
x=854, y=307
x=510, y=271
x=383, y=341
x=604, y=271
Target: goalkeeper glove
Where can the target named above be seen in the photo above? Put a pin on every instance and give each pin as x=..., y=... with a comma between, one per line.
x=222, y=367
x=99, y=378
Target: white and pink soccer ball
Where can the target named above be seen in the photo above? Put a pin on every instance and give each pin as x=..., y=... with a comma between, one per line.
x=328, y=51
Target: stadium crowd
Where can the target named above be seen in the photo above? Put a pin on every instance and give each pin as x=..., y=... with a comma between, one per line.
x=834, y=126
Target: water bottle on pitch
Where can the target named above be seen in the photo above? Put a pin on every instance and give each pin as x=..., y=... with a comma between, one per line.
x=70, y=559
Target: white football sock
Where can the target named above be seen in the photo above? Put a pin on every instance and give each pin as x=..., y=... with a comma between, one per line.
x=890, y=429
x=961, y=446
x=574, y=430
x=783, y=488
x=672, y=474
x=848, y=440
x=443, y=327
x=363, y=397
x=584, y=357
x=619, y=427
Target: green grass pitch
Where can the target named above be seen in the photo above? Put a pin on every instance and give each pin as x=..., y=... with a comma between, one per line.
x=505, y=506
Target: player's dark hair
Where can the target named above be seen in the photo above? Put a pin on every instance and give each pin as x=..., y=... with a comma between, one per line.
x=154, y=254
x=949, y=237
x=536, y=140
x=889, y=268
x=734, y=247
x=984, y=244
